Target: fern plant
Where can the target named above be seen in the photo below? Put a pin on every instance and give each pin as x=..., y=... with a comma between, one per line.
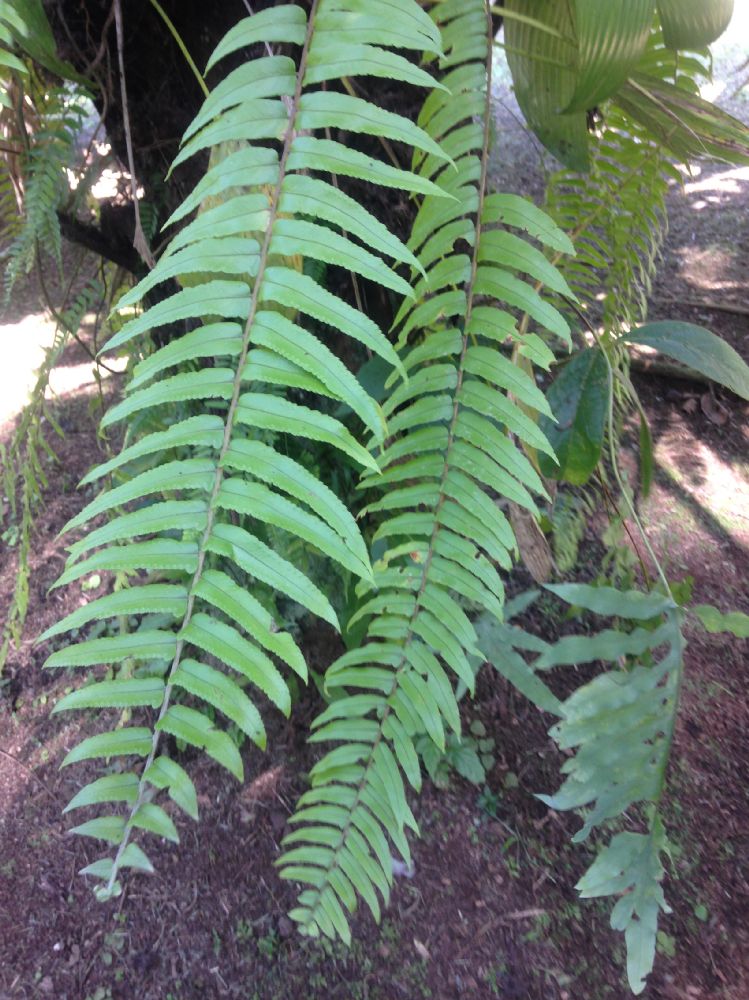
x=622, y=725
x=451, y=456
x=213, y=480
x=210, y=508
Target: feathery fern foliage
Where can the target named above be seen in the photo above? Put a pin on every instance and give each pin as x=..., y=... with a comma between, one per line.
x=46, y=184
x=621, y=725
x=217, y=478
x=450, y=455
x=616, y=217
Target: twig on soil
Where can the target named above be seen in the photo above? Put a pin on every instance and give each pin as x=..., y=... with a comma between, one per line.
x=32, y=772
x=710, y=304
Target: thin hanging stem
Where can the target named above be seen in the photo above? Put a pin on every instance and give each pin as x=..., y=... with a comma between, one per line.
x=182, y=47
x=139, y=240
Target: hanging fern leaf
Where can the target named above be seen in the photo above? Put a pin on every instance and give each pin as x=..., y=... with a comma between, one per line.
x=46, y=183
x=205, y=510
x=621, y=725
x=450, y=455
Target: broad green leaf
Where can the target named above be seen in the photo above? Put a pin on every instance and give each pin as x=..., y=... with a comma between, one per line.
x=152, y=817
x=699, y=349
x=693, y=24
x=579, y=398
x=544, y=72
x=109, y=828
x=611, y=38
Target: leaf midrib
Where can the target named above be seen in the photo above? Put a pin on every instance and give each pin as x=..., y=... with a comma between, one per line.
x=289, y=136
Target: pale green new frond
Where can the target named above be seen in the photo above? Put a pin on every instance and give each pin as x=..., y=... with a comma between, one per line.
x=199, y=499
x=620, y=726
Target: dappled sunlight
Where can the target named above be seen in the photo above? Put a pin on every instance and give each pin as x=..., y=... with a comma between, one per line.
x=24, y=345
x=727, y=181
x=709, y=268
x=716, y=491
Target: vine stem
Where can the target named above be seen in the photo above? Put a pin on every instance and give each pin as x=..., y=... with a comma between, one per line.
x=333, y=863
x=228, y=429
x=139, y=240
x=182, y=47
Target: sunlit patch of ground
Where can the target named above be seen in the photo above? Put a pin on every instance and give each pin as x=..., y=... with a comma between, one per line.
x=24, y=345
x=698, y=513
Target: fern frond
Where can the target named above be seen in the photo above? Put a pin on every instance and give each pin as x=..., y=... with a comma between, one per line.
x=45, y=184
x=616, y=216
x=216, y=481
x=621, y=727
x=451, y=456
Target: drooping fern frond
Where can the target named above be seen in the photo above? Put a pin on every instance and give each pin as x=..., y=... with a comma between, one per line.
x=50, y=154
x=615, y=212
x=214, y=480
x=450, y=457
x=616, y=216
x=621, y=726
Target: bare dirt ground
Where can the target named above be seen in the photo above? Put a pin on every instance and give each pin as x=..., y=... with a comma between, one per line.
x=490, y=910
